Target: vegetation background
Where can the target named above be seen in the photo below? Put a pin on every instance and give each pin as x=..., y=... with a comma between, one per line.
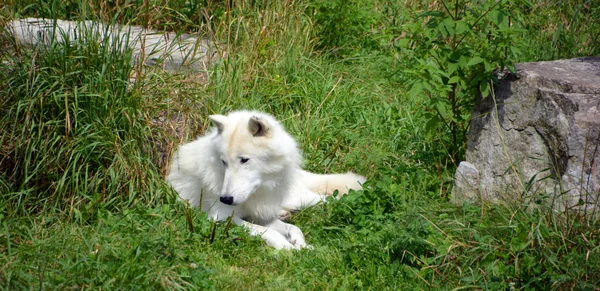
x=383, y=88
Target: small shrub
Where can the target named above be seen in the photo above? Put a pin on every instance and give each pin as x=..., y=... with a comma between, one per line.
x=453, y=53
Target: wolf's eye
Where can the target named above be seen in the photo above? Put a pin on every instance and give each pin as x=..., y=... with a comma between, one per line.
x=224, y=163
x=244, y=160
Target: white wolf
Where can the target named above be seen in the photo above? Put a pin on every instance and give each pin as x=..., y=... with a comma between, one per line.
x=249, y=167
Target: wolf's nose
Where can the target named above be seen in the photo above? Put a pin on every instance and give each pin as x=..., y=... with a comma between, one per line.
x=227, y=199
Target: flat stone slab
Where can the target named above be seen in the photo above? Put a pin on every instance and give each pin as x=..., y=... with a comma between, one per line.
x=171, y=51
x=537, y=136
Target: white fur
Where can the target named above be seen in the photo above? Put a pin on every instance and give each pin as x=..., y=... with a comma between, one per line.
x=252, y=162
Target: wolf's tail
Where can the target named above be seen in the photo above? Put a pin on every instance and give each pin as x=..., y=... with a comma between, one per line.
x=326, y=184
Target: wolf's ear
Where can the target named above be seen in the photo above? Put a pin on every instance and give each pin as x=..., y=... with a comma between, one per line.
x=219, y=121
x=258, y=126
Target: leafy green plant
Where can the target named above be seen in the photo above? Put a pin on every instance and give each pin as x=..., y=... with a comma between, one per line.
x=455, y=52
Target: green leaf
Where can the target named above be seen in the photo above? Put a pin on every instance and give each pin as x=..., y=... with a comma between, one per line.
x=446, y=27
x=451, y=68
x=427, y=87
x=435, y=76
x=403, y=42
x=515, y=51
x=454, y=79
x=415, y=90
x=462, y=62
x=462, y=27
x=488, y=67
x=484, y=88
x=442, y=109
x=474, y=61
x=455, y=56
x=431, y=125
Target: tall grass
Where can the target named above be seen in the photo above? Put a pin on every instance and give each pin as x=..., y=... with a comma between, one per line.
x=73, y=127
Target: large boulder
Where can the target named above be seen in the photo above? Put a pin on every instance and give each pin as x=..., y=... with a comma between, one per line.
x=171, y=51
x=537, y=138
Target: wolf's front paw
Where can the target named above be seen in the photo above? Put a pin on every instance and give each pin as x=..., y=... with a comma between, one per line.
x=296, y=238
x=299, y=244
x=293, y=243
x=281, y=244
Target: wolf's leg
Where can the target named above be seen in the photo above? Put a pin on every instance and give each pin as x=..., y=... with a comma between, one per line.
x=301, y=197
x=297, y=200
x=272, y=236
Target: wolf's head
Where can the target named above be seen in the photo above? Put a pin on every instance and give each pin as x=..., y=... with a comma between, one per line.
x=256, y=154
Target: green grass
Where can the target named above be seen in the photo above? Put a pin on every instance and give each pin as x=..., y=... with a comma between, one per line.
x=84, y=149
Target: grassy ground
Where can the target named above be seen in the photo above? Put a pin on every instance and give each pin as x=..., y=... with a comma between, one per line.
x=83, y=203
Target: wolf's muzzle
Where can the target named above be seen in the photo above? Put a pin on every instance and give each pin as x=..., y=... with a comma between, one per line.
x=226, y=200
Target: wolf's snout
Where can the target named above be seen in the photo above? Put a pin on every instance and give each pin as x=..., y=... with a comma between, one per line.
x=227, y=199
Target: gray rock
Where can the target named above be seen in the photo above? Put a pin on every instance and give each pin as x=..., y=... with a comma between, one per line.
x=537, y=136
x=172, y=51
x=467, y=179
